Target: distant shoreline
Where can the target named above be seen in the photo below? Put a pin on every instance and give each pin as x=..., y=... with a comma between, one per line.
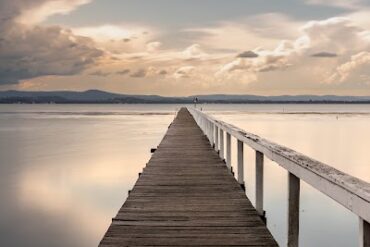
x=102, y=97
x=201, y=103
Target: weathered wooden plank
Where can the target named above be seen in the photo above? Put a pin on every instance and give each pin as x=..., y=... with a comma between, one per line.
x=147, y=230
x=189, y=214
x=186, y=196
x=241, y=240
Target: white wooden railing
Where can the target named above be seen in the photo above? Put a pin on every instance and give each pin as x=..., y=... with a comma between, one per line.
x=349, y=191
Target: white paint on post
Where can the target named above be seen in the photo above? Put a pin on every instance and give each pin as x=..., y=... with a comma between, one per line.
x=216, y=138
x=293, y=210
x=204, y=129
x=212, y=133
x=228, y=150
x=222, y=144
x=240, y=162
x=364, y=233
x=259, y=183
x=209, y=131
x=206, y=132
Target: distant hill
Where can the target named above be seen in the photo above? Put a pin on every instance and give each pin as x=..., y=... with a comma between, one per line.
x=97, y=96
x=90, y=96
x=282, y=98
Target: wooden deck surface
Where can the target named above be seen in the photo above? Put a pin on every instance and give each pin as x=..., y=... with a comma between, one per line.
x=187, y=197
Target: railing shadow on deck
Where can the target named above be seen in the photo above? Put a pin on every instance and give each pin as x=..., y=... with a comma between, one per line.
x=349, y=191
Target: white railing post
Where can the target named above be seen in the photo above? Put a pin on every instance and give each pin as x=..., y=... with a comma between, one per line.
x=228, y=150
x=216, y=138
x=364, y=233
x=241, y=163
x=203, y=125
x=207, y=128
x=293, y=210
x=222, y=144
x=259, y=183
x=212, y=133
x=206, y=124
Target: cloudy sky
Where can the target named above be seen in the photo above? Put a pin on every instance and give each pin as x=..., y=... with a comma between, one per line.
x=175, y=47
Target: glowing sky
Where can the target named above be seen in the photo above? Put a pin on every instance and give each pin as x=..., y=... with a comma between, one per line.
x=173, y=47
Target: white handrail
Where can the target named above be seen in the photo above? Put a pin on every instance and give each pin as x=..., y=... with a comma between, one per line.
x=351, y=192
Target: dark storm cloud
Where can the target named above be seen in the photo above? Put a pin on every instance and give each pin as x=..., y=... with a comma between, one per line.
x=123, y=72
x=139, y=73
x=31, y=51
x=11, y=9
x=100, y=73
x=163, y=72
x=324, y=54
x=247, y=54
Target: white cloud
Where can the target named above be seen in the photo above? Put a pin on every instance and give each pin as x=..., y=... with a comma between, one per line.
x=337, y=34
x=41, y=10
x=104, y=32
x=153, y=46
x=345, y=70
x=263, y=30
x=194, y=51
x=360, y=17
x=267, y=62
x=338, y=37
x=120, y=38
x=184, y=72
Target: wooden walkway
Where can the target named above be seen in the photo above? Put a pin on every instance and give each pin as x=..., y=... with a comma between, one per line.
x=186, y=196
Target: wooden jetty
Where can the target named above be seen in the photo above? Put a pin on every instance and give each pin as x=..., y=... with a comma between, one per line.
x=187, y=194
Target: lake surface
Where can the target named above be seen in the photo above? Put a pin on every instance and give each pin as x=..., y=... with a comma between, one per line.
x=65, y=169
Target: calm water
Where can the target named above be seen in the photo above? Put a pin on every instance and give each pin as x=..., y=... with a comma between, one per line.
x=65, y=169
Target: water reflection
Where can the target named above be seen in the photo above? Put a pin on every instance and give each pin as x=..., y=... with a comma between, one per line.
x=65, y=169
x=65, y=176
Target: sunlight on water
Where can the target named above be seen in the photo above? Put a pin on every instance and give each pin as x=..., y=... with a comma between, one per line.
x=65, y=169
x=64, y=176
